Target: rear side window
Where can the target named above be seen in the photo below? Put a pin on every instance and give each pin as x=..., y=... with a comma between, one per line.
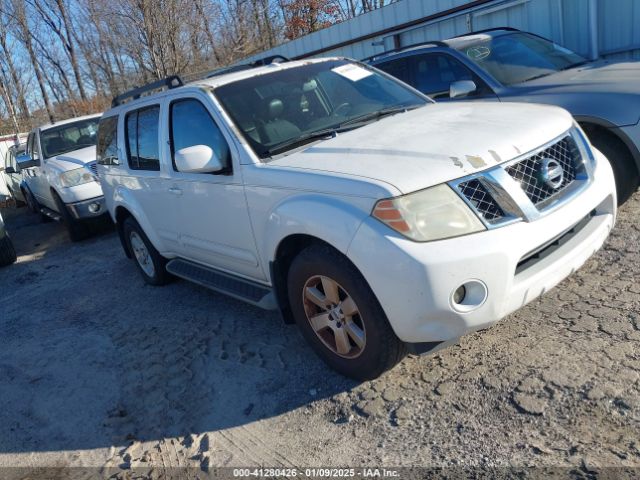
x=192, y=125
x=107, y=146
x=433, y=74
x=141, y=131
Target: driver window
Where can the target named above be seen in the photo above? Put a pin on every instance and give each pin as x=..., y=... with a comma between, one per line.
x=191, y=124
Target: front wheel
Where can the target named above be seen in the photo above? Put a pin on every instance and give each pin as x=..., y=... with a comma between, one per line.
x=7, y=252
x=76, y=229
x=339, y=315
x=150, y=263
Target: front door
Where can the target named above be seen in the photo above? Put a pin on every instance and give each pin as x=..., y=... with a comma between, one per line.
x=214, y=225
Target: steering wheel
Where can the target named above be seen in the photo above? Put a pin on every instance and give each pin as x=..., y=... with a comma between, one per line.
x=342, y=109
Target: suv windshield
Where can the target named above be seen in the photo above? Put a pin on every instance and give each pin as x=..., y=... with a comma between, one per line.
x=282, y=110
x=69, y=137
x=518, y=57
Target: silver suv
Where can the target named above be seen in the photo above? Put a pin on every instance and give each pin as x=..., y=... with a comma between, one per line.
x=505, y=64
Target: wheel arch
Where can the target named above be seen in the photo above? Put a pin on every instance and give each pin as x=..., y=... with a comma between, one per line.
x=598, y=126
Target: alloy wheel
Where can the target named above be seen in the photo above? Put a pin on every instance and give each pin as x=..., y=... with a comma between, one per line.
x=141, y=252
x=334, y=316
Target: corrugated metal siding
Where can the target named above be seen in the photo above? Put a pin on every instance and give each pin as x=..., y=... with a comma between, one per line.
x=564, y=21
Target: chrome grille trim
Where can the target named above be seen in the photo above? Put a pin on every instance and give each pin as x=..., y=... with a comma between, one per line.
x=500, y=188
x=483, y=202
x=525, y=172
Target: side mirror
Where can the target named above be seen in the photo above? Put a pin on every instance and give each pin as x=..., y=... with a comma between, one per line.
x=10, y=170
x=25, y=161
x=462, y=88
x=197, y=159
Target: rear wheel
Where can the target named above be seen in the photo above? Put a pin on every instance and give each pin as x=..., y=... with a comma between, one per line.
x=7, y=252
x=339, y=315
x=77, y=229
x=150, y=263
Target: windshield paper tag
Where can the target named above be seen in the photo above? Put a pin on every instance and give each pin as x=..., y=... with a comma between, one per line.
x=352, y=72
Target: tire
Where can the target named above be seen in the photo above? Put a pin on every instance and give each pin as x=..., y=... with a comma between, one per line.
x=7, y=252
x=622, y=164
x=32, y=203
x=76, y=229
x=311, y=275
x=142, y=251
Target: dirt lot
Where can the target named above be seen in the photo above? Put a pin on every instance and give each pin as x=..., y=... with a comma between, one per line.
x=96, y=368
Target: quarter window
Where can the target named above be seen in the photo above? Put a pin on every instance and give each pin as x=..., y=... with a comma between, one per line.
x=107, y=146
x=142, y=138
x=191, y=124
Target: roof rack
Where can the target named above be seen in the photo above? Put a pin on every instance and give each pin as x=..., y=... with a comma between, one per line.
x=432, y=43
x=174, y=81
x=246, y=66
x=494, y=29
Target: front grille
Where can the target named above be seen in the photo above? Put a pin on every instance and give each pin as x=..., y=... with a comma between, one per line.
x=93, y=167
x=481, y=199
x=527, y=172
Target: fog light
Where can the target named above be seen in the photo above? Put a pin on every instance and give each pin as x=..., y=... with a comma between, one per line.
x=94, y=207
x=459, y=294
x=469, y=296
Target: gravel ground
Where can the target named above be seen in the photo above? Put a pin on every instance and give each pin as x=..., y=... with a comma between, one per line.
x=98, y=369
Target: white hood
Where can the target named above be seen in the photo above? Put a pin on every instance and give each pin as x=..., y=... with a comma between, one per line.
x=434, y=144
x=75, y=158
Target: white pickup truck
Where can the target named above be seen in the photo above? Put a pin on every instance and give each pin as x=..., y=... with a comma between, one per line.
x=378, y=221
x=59, y=171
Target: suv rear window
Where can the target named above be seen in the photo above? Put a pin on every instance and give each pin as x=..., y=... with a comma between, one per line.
x=141, y=131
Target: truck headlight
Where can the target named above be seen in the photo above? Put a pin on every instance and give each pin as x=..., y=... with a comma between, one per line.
x=431, y=214
x=74, y=177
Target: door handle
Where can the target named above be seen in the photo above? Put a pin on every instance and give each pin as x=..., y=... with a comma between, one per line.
x=175, y=190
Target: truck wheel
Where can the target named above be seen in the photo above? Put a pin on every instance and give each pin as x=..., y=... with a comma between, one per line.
x=32, y=203
x=76, y=229
x=7, y=252
x=339, y=315
x=622, y=164
x=151, y=264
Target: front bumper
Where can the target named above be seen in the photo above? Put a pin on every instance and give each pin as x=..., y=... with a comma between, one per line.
x=415, y=282
x=94, y=207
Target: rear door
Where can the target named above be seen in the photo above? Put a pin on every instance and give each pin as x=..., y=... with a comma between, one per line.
x=147, y=177
x=214, y=224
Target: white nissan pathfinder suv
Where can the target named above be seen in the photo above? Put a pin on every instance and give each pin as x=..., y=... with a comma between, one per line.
x=380, y=222
x=59, y=171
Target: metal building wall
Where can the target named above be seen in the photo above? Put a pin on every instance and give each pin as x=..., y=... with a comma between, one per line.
x=607, y=28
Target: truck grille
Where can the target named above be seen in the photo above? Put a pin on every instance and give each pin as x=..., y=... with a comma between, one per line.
x=93, y=166
x=527, y=172
x=481, y=199
x=547, y=177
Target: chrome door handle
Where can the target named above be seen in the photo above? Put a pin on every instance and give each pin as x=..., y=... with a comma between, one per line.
x=175, y=191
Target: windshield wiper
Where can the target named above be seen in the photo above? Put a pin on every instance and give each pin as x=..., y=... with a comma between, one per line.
x=573, y=65
x=378, y=114
x=305, y=138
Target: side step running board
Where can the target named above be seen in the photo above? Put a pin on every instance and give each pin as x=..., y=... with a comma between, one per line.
x=50, y=213
x=228, y=284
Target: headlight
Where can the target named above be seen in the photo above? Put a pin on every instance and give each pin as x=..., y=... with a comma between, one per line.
x=77, y=176
x=432, y=214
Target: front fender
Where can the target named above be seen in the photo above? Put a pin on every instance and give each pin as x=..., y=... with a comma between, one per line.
x=123, y=198
x=330, y=219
